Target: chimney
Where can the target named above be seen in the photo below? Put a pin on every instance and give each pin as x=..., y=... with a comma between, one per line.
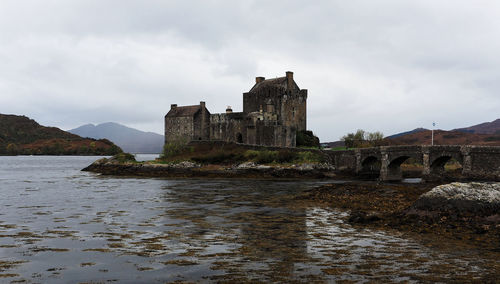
x=289, y=79
x=172, y=106
x=202, y=105
x=229, y=109
x=259, y=79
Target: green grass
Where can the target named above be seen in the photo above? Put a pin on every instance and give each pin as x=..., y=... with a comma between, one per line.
x=234, y=154
x=340, y=148
x=124, y=157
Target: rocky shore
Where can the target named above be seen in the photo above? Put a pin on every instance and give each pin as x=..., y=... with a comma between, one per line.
x=466, y=213
x=188, y=169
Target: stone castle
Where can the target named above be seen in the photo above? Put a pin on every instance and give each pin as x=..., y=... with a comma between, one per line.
x=273, y=111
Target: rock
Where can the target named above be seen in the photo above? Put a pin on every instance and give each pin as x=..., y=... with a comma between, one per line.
x=246, y=165
x=305, y=167
x=324, y=167
x=186, y=165
x=263, y=167
x=361, y=217
x=462, y=198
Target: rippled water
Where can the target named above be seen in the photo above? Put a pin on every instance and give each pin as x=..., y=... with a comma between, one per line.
x=60, y=225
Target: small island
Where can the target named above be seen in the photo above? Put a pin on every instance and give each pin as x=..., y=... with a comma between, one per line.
x=210, y=159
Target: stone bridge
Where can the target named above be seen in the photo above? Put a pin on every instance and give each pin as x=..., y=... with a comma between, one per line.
x=478, y=162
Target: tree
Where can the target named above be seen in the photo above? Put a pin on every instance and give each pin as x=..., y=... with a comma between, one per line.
x=354, y=140
x=375, y=138
x=348, y=140
x=362, y=139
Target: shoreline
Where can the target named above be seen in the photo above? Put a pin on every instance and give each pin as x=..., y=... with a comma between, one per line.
x=190, y=170
x=388, y=206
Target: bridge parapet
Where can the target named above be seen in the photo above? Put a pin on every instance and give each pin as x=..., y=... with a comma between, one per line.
x=344, y=161
x=481, y=161
x=477, y=161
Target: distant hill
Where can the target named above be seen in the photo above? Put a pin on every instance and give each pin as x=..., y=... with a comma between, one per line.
x=333, y=144
x=20, y=135
x=487, y=133
x=129, y=139
x=442, y=137
x=483, y=128
x=420, y=129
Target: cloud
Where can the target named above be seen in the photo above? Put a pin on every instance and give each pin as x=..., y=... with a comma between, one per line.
x=376, y=65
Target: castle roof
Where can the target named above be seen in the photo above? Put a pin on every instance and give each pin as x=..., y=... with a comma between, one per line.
x=280, y=82
x=184, y=111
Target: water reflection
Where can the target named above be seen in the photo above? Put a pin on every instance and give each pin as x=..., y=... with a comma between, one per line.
x=250, y=226
x=61, y=225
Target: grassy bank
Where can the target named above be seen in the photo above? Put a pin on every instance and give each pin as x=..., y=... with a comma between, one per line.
x=226, y=154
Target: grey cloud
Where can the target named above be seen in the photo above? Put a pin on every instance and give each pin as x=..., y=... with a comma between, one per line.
x=378, y=65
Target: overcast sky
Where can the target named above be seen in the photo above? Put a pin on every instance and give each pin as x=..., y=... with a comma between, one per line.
x=378, y=65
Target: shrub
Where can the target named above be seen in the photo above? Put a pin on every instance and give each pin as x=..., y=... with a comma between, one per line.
x=174, y=148
x=306, y=138
x=11, y=149
x=309, y=157
x=219, y=157
x=286, y=156
x=266, y=157
x=251, y=154
x=113, y=150
x=363, y=139
x=123, y=157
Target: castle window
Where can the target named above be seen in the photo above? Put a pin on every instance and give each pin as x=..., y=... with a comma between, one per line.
x=293, y=112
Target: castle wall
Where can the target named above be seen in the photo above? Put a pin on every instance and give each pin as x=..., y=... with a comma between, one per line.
x=202, y=125
x=294, y=110
x=289, y=106
x=179, y=129
x=269, y=133
x=265, y=99
x=229, y=127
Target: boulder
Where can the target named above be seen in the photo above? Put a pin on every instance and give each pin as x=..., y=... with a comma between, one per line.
x=482, y=199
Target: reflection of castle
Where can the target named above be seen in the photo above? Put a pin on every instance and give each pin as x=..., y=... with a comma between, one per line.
x=257, y=228
x=273, y=111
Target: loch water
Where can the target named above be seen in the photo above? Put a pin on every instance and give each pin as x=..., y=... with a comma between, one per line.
x=61, y=225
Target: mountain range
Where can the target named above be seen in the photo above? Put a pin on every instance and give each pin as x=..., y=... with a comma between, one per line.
x=129, y=139
x=20, y=135
x=483, y=128
x=487, y=133
x=443, y=137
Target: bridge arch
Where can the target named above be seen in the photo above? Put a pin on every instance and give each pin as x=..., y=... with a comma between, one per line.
x=370, y=167
x=393, y=171
x=437, y=165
